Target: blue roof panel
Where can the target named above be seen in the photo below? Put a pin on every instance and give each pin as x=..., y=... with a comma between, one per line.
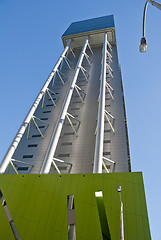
x=90, y=25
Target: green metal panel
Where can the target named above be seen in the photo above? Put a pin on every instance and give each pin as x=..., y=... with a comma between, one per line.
x=38, y=205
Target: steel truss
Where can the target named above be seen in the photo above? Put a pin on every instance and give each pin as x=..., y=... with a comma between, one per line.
x=12, y=163
x=102, y=113
x=37, y=127
x=61, y=161
x=64, y=114
x=30, y=115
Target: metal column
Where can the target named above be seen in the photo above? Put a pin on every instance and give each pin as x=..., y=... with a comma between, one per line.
x=55, y=138
x=23, y=127
x=100, y=121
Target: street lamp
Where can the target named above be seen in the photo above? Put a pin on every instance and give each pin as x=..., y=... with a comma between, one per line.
x=143, y=45
x=118, y=188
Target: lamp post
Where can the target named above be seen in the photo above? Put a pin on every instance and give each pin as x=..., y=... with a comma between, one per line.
x=143, y=45
x=118, y=188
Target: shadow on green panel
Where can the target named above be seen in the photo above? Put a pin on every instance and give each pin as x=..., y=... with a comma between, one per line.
x=102, y=216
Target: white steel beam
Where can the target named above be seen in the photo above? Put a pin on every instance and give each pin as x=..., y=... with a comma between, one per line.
x=27, y=120
x=97, y=168
x=109, y=45
x=56, y=134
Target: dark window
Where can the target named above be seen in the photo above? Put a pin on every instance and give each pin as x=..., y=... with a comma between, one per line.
x=32, y=145
x=38, y=135
x=106, y=153
x=66, y=143
x=44, y=118
x=49, y=105
x=22, y=168
x=106, y=141
x=27, y=156
x=107, y=130
x=46, y=111
x=53, y=99
x=41, y=126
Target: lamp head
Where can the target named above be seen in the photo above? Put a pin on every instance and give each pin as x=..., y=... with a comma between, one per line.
x=118, y=188
x=143, y=45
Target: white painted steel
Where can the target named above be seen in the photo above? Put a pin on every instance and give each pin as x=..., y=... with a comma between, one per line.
x=109, y=45
x=122, y=223
x=23, y=127
x=109, y=55
x=55, y=137
x=100, y=123
x=109, y=160
x=109, y=114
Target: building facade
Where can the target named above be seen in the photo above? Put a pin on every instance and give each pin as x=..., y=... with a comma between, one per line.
x=77, y=124
x=68, y=171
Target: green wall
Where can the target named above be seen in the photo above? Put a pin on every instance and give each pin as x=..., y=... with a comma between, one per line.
x=38, y=205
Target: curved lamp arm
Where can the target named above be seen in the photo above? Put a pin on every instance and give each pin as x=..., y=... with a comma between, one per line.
x=155, y=4
x=143, y=45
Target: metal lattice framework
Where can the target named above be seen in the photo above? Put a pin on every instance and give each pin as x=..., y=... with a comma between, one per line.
x=102, y=113
x=64, y=111
x=106, y=74
x=30, y=117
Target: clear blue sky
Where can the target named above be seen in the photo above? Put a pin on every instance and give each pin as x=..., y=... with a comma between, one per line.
x=30, y=44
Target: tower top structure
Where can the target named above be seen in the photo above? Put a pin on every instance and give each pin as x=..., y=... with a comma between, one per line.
x=94, y=28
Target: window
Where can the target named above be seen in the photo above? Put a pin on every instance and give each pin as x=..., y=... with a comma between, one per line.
x=53, y=99
x=106, y=153
x=66, y=144
x=106, y=141
x=44, y=118
x=46, y=111
x=107, y=130
x=27, y=156
x=22, y=168
x=71, y=216
x=41, y=126
x=32, y=145
x=38, y=135
x=49, y=105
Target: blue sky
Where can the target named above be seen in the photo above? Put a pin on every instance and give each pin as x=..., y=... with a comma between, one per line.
x=30, y=44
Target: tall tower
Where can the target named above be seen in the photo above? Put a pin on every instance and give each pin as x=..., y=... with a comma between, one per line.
x=77, y=123
x=76, y=130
